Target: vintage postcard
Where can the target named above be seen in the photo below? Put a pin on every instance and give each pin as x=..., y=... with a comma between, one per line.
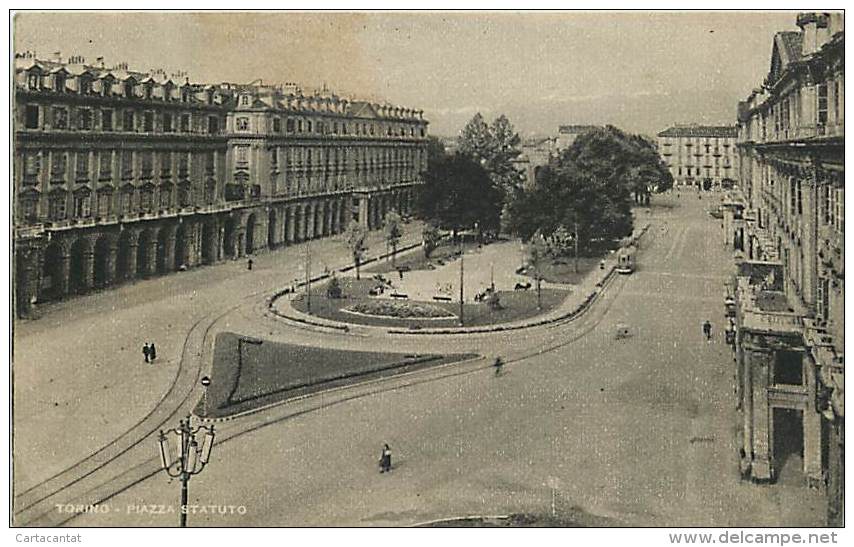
x=428, y=268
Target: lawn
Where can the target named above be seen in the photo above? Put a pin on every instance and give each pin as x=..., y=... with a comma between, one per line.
x=515, y=305
x=275, y=371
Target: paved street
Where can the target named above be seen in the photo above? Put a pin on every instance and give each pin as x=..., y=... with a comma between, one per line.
x=80, y=367
x=639, y=430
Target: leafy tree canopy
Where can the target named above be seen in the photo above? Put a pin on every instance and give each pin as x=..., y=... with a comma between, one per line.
x=591, y=187
x=458, y=193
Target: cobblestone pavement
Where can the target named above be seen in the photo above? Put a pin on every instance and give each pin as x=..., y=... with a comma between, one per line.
x=638, y=429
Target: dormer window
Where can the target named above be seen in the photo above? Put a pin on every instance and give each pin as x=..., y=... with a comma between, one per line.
x=185, y=95
x=85, y=85
x=149, y=89
x=59, y=83
x=129, y=90
x=244, y=100
x=34, y=80
x=210, y=96
x=106, y=87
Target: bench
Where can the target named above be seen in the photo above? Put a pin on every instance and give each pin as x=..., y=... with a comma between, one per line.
x=398, y=295
x=443, y=298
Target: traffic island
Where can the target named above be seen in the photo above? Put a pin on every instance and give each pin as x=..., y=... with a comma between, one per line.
x=250, y=373
x=356, y=305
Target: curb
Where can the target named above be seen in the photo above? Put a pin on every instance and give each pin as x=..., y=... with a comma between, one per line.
x=571, y=315
x=334, y=389
x=344, y=327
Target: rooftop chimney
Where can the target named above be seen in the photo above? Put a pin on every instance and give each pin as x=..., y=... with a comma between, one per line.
x=814, y=27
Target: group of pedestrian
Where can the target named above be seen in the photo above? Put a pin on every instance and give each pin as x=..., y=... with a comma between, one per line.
x=149, y=351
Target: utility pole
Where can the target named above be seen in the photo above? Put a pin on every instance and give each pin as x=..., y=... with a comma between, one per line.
x=462, y=321
x=576, y=246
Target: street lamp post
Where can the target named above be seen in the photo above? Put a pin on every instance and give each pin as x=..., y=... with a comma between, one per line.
x=195, y=446
x=206, y=381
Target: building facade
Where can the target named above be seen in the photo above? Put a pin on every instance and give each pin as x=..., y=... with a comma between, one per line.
x=121, y=174
x=786, y=224
x=701, y=156
x=535, y=153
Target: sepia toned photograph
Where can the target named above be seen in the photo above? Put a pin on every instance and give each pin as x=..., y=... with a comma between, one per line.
x=394, y=269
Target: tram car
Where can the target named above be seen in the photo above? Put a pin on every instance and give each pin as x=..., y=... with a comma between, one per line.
x=626, y=260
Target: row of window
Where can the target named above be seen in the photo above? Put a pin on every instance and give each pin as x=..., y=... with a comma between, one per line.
x=142, y=200
x=786, y=114
x=58, y=83
x=690, y=172
x=130, y=164
x=298, y=125
x=105, y=119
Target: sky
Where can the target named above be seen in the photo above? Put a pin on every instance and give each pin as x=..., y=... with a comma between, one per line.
x=641, y=71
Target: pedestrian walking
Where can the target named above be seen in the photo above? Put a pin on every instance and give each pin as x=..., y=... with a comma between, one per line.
x=146, y=352
x=249, y=264
x=385, y=459
x=602, y=264
x=400, y=272
x=152, y=352
x=707, y=330
x=498, y=365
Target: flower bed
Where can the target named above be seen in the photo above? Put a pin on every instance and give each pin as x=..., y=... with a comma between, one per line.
x=402, y=310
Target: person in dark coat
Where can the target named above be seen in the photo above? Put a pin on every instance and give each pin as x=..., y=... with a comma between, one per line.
x=707, y=330
x=498, y=365
x=385, y=459
x=146, y=351
x=152, y=351
x=249, y=264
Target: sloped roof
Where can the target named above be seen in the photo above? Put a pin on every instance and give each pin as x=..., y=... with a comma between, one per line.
x=700, y=131
x=362, y=109
x=577, y=128
x=793, y=45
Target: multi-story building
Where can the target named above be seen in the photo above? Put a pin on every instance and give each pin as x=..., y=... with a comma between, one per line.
x=566, y=134
x=535, y=153
x=786, y=222
x=121, y=174
x=703, y=156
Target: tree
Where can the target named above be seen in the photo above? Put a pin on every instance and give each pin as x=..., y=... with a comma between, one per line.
x=458, y=193
x=429, y=239
x=495, y=147
x=393, y=232
x=356, y=237
x=476, y=140
x=504, y=152
x=537, y=260
x=589, y=189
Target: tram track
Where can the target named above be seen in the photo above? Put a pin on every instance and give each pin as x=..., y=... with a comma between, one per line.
x=84, y=483
x=259, y=419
